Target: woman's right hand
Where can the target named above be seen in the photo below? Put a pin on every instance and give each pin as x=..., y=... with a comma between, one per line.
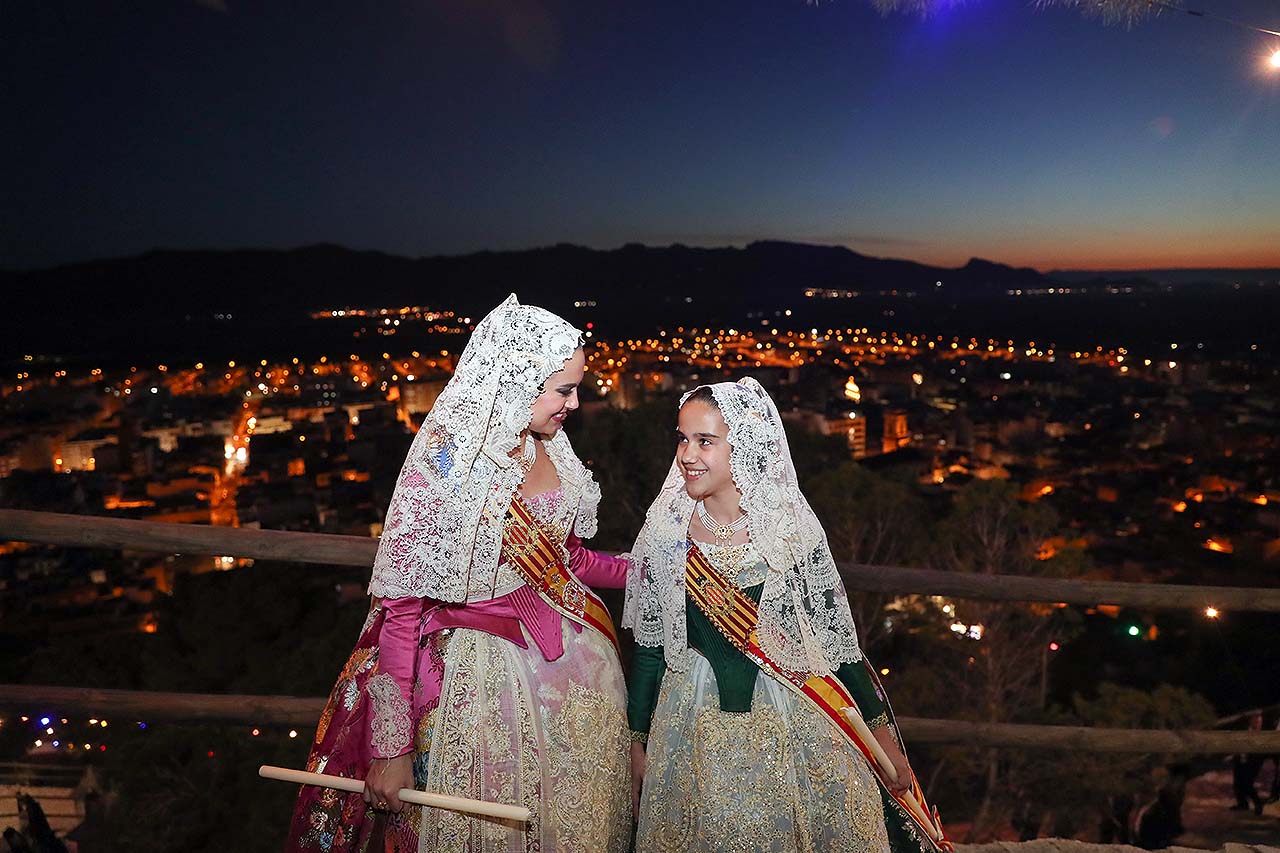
x=639, y=760
x=384, y=780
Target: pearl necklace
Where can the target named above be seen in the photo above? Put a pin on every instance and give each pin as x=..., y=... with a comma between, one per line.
x=722, y=532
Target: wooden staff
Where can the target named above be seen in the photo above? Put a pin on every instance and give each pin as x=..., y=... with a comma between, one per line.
x=890, y=772
x=408, y=795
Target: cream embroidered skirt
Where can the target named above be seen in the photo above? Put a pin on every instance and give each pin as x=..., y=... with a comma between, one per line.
x=777, y=779
x=516, y=728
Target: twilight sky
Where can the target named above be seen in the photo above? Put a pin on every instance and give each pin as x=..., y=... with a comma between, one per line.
x=419, y=127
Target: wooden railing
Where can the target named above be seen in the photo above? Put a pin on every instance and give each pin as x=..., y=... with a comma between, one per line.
x=89, y=531
x=253, y=710
x=95, y=532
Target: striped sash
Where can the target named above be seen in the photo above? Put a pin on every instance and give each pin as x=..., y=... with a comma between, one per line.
x=735, y=616
x=527, y=546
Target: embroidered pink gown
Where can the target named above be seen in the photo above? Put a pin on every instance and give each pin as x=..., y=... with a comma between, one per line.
x=502, y=700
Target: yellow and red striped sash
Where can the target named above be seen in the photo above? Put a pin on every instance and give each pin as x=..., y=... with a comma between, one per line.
x=527, y=546
x=735, y=615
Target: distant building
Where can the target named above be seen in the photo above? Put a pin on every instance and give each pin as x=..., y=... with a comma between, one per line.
x=165, y=436
x=355, y=410
x=896, y=435
x=857, y=432
x=417, y=398
x=169, y=434
x=852, y=425
x=10, y=459
x=36, y=452
x=81, y=452
x=271, y=424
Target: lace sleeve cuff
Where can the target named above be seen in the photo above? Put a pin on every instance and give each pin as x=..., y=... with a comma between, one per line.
x=390, y=725
x=879, y=721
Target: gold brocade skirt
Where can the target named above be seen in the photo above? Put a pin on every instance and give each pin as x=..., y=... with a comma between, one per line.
x=515, y=728
x=778, y=778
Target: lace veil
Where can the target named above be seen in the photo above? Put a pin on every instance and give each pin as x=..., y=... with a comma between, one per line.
x=443, y=530
x=805, y=622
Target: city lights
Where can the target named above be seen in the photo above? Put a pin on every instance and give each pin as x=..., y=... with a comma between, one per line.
x=311, y=420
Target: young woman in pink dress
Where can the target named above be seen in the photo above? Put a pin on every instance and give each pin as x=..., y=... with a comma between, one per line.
x=486, y=668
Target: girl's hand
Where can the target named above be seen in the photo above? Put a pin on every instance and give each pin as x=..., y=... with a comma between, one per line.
x=384, y=780
x=639, y=761
x=884, y=735
x=905, y=773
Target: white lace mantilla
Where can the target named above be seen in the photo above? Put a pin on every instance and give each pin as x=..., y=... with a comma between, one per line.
x=443, y=530
x=805, y=622
x=390, y=726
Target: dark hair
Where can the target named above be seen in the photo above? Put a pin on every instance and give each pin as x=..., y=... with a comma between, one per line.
x=704, y=394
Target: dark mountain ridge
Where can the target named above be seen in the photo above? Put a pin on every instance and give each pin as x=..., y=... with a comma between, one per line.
x=178, y=305
x=760, y=276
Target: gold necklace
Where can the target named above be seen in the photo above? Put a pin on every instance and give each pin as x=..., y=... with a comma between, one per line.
x=528, y=455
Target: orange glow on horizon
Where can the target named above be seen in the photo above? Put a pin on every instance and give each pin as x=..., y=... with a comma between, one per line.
x=1249, y=248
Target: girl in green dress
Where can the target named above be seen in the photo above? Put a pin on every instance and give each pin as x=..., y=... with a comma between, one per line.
x=747, y=666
